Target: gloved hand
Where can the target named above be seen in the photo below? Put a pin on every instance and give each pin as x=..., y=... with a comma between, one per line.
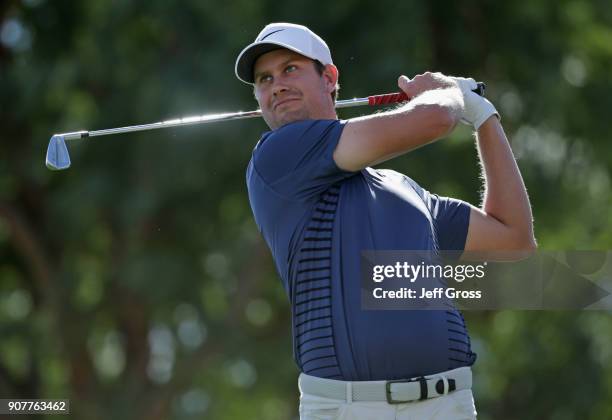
x=477, y=108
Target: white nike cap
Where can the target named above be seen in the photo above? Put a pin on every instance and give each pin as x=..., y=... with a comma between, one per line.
x=296, y=38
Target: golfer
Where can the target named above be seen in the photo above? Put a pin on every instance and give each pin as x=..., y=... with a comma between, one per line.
x=318, y=203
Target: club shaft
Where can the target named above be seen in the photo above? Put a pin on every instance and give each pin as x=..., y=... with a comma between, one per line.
x=163, y=124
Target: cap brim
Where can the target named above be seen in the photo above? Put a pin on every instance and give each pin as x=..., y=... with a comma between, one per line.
x=247, y=58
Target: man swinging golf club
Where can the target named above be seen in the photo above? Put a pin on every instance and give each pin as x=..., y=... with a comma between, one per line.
x=318, y=204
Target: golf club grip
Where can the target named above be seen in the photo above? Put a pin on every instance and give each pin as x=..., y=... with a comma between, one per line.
x=392, y=98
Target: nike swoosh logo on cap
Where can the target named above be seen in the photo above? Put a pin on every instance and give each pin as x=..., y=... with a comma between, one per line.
x=271, y=33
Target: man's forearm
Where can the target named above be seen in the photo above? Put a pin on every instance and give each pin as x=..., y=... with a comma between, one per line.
x=443, y=108
x=449, y=99
x=505, y=196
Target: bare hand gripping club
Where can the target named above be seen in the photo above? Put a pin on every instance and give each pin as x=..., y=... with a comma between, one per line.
x=57, y=152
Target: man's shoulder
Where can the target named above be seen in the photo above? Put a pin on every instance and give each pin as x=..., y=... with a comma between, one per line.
x=288, y=144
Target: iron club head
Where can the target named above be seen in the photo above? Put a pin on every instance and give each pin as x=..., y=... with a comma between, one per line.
x=57, y=153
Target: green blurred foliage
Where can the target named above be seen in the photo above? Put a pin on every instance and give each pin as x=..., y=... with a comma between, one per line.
x=136, y=284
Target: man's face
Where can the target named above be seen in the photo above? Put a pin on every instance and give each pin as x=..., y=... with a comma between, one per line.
x=289, y=88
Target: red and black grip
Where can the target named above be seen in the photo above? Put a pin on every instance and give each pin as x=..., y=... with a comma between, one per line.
x=396, y=97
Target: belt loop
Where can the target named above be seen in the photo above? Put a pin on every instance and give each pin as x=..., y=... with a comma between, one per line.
x=349, y=392
x=423, y=383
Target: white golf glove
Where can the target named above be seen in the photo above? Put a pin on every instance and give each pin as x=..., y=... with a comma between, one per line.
x=466, y=84
x=477, y=108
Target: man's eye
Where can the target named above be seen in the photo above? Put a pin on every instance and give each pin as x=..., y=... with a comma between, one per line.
x=290, y=68
x=264, y=79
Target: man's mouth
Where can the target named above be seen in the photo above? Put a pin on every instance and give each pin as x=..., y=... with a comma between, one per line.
x=284, y=101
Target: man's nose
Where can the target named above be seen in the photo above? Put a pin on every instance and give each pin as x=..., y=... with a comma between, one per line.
x=278, y=88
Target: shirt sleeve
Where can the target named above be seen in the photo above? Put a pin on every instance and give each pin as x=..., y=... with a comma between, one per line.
x=450, y=217
x=296, y=161
x=451, y=221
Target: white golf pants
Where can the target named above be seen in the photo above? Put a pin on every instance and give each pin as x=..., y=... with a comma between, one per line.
x=457, y=405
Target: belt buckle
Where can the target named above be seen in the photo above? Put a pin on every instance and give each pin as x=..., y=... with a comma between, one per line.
x=420, y=379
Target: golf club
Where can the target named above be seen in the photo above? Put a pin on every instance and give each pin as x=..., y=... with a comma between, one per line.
x=57, y=152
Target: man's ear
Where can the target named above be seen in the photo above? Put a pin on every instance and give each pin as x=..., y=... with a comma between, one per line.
x=331, y=75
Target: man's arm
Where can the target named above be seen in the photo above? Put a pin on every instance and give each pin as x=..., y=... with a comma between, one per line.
x=505, y=221
x=435, y=109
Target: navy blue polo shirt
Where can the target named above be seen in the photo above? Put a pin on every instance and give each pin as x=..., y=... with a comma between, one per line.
x=316, y=220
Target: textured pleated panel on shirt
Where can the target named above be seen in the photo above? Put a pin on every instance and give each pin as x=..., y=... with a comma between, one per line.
x=459, y=345
x=312, y=290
